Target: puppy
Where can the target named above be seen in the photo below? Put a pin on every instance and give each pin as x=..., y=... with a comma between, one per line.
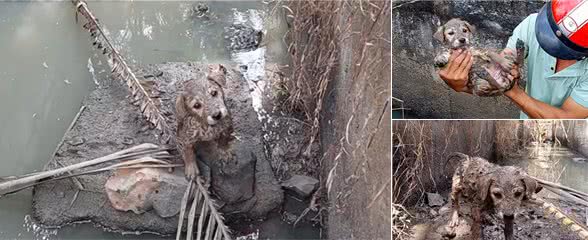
x=203, y=119
x=488, y=187
x=490, y=71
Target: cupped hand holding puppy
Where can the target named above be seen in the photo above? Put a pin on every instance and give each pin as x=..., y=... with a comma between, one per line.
x=514, y=75
x=456, y=73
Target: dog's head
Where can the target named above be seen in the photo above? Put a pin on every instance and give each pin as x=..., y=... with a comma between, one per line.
x=203, y=98
x=506, y=188
x=455, y=34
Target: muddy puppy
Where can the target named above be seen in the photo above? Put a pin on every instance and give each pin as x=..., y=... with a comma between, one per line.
x=490, y=71
x=488, y=187
x=203, y=119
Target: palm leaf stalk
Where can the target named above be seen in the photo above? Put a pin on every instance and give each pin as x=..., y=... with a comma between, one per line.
x=138, y=155
x=149, y=104
x=210, y=225
x=565, y=192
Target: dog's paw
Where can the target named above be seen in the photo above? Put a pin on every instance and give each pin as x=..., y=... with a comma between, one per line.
x=191, y=171
x=507, y=65
x=454, y=222
x=441, y=60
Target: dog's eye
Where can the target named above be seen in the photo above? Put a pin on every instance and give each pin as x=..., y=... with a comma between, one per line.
x=450, y=33
x=197, y=105
x=465, y=30
x=518, y=194
x=213, y=93
x=497, y=195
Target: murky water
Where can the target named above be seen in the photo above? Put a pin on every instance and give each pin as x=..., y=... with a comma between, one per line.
x=556, y=164
x=47, y=66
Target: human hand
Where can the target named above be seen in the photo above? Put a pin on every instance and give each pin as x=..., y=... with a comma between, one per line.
x=456, y=73
x=514, y=74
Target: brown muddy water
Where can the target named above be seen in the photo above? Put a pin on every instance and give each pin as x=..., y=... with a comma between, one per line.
x=47, y=66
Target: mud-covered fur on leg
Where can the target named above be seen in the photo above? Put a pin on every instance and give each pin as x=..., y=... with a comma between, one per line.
x=489, y=75
x=488, y=187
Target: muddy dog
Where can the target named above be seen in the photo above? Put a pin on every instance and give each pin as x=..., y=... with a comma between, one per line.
x=488, y=187
x=203, y=120
x=489, y=75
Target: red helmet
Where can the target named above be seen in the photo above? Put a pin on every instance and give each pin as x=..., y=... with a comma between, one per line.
x=562, y=29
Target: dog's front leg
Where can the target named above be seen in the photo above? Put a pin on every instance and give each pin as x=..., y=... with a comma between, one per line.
x=476, y=233
x=456, y=189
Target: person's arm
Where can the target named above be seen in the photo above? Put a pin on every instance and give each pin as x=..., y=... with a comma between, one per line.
x=455, y=74
x=537, y=109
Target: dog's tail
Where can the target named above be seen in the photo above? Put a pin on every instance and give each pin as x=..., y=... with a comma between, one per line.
x=456, y=155
x=521, y=54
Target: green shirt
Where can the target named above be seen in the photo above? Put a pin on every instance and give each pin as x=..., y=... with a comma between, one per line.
x=543, y=83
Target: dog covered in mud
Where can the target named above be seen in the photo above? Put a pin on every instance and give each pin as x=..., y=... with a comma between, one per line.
x=489, y=188
x=489, y=75
x=203, y=119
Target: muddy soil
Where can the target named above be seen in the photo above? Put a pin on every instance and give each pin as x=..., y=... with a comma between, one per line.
x=531, y=223
x=111, y=123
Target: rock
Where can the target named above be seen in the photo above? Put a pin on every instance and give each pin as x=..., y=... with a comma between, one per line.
x=127, y=141
x=303, y=186
x=76, y=141
x=242, y=37
x=140, y=190
x=435, y=200
x=200, y=10
x=288, y=217
x=432, y=212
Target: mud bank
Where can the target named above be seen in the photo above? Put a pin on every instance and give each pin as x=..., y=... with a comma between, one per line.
x=111, y=123
x=531, y=223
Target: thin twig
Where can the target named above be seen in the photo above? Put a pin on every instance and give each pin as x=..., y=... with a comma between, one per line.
x=75, y=180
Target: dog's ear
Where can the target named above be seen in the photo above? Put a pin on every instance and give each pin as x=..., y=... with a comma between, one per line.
x=470, y=27
x=440, y=34
x=217, y=73
x=531, y=186
x=484, y=184
x=181, y=106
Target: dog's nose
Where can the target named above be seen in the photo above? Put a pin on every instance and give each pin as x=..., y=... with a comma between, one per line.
x=217, y=116
x=462, y=40
x=511, y=216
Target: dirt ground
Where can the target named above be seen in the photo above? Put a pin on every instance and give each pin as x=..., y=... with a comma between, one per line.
x=531, y=223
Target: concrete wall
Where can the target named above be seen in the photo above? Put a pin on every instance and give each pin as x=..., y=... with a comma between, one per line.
x=355, y=130
x=512, y=136
x=420, y=149
x=577, y=135
x=415, y=80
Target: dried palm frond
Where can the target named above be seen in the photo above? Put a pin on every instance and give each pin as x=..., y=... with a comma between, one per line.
x=565, y=192
x=138, y=155
x=210, y=222
x=149, y=105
